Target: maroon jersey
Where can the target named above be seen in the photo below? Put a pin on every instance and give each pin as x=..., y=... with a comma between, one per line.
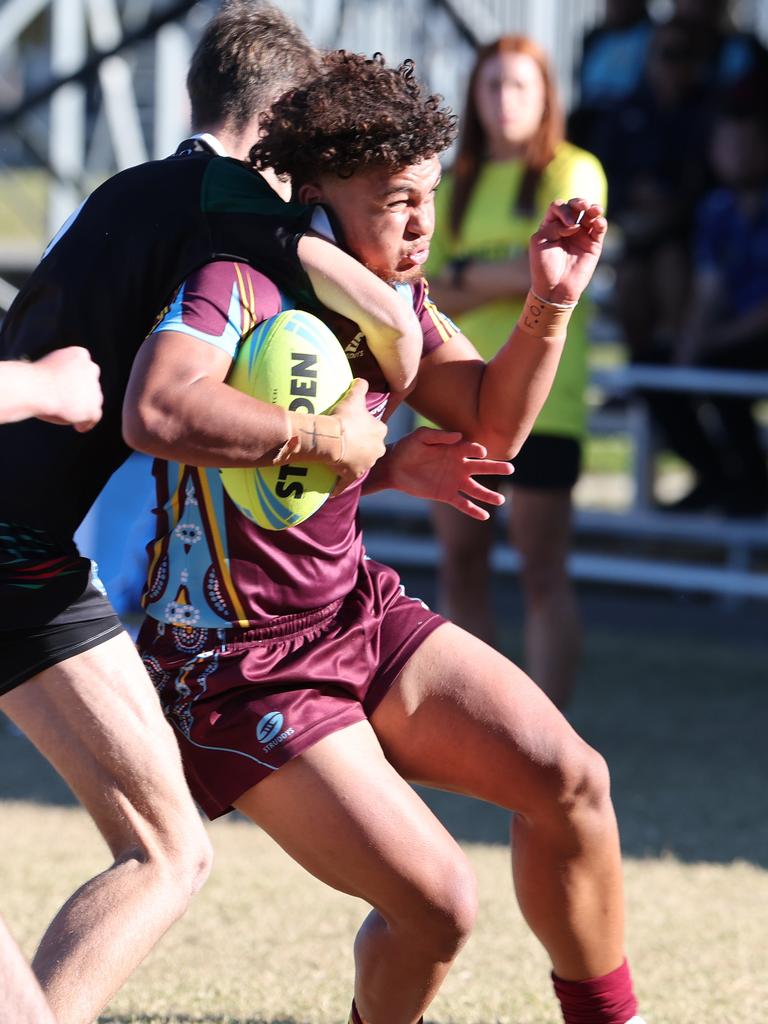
x=211, y=566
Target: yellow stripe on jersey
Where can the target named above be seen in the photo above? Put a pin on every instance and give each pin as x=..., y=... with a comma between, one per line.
x=221, y=559
x=247, y=301
x=252, y=302
x=445, y=328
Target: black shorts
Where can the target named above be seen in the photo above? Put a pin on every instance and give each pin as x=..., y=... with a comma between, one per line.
x=545, y=462
x=29, y=650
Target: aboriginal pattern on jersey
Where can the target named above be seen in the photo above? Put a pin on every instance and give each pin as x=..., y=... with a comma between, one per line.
x=190, y=684
x=190, y=585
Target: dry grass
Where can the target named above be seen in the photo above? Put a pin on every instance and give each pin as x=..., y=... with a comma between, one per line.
x=265, y=943
x=675, y=696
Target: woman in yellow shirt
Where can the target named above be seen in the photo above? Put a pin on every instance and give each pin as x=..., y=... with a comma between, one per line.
x=512, y=161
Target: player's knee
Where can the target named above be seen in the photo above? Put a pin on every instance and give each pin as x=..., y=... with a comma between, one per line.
x=584, y=796
x=189, y=862
x=198, y=864
x=448, y=910
x=574, y=791
x=176, y=862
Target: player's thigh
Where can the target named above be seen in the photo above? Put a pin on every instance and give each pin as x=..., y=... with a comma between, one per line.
x=342, y=812
x=97, y=719
x=462, y=717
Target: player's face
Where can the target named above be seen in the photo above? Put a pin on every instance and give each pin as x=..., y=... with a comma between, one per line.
x=510, y=99
x=388, y=217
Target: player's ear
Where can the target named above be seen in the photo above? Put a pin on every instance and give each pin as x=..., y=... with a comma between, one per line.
x=310, y=193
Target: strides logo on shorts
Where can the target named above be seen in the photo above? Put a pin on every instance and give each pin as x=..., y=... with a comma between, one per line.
x=268, y=731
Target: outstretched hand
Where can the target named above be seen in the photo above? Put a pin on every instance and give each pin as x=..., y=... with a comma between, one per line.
x=563, y=254
x=442, y=466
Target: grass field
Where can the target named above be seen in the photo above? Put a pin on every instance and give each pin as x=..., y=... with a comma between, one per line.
x=674, y=693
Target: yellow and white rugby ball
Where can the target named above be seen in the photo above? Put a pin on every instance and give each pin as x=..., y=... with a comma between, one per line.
x=295, y=361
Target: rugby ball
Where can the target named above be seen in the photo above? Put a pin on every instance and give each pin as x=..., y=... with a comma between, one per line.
x=295, y=361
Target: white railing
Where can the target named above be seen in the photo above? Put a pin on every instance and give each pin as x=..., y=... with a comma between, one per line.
x=612, y=546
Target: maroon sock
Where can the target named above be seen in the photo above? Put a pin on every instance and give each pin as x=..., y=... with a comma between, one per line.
x=606, y=1000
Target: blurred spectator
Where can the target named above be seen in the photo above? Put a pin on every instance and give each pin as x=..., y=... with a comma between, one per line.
x=726, y=322
x=512, y=161
x=612, y=65
x=653, y=147
x=733, y=55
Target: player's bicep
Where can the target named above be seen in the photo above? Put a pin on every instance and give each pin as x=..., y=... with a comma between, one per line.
x=448, y=385
x=166, y=366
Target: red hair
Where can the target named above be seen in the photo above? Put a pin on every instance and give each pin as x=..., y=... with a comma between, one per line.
x=539, y=150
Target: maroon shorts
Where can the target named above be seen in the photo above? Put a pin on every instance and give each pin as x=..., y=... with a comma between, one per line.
x=250, y=700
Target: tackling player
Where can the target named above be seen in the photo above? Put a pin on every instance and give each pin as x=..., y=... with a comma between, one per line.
x=304, y=686
x=60, y=388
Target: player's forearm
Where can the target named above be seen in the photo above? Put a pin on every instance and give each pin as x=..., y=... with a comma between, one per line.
x=348, y=288
x=208, y=423
x=23, y=392
x=513, y=389
x=515, y=383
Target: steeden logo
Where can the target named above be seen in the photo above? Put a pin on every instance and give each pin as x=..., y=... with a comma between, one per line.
x=269, y=726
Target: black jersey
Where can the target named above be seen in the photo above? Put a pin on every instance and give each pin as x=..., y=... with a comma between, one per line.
x=102, y=284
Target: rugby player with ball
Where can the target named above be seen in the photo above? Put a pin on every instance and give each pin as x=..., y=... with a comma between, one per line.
x=306, y=689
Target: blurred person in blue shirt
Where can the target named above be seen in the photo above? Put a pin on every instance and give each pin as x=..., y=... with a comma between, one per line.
x=734, y=54
x=612, y=65
x=726, y=321
x=653, y=148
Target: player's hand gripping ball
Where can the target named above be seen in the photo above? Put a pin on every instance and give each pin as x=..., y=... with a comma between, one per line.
x=295, y=361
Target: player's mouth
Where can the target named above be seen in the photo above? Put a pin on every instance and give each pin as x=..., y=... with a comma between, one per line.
x=417, y=257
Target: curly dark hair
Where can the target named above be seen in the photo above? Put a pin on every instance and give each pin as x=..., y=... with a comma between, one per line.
x=357, y=113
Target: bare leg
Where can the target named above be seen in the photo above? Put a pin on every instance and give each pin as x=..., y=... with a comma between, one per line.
x=97, y=719
x=21, y=999
x=465, y=573
x=464, y=718
x=341, y=811
x=540, y=526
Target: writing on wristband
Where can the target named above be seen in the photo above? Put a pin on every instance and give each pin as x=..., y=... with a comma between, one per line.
x=543, y=319
x=315, y=437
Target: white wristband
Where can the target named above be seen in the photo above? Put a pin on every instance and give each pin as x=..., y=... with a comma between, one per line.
x=555, y=305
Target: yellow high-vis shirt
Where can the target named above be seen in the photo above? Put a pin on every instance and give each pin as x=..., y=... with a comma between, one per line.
x=493, y=229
